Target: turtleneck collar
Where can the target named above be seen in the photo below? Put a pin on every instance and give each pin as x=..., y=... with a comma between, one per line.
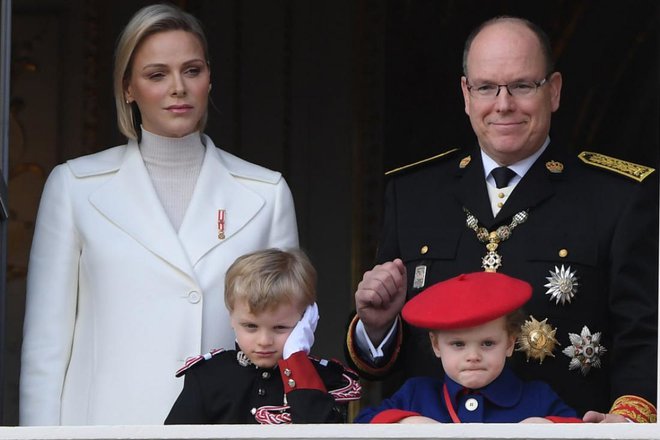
x=166, y=151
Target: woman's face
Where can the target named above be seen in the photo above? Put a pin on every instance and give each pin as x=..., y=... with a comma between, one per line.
x=170, y=82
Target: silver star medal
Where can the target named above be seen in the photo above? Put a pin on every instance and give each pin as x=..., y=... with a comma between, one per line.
x=562, y=284
x=585, y=351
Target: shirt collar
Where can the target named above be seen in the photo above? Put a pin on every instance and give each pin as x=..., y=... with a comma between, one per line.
x=520, y=168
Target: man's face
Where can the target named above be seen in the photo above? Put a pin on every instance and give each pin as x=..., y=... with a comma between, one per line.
x=509, y=128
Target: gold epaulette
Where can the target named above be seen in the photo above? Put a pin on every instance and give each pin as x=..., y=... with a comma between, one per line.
x=628, y=169
x=420, y=162
x=635, y=408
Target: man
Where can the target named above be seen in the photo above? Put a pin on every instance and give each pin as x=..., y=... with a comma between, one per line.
x=582, y=231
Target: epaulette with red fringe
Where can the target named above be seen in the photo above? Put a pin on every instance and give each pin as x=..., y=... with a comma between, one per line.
x=194, y=360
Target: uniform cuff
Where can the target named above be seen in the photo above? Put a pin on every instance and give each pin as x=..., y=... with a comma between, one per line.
x=354, y=352
x=298, y=372
x=392, y=416
x=635, y=409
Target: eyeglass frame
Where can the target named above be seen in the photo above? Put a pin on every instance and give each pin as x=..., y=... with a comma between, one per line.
x=537, y=85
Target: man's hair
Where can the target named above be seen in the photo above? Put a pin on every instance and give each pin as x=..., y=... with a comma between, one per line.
x=267, y=278
x=542, y=37
x=146, y=22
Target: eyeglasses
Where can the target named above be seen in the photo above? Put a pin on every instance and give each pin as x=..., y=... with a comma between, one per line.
x=518, y=89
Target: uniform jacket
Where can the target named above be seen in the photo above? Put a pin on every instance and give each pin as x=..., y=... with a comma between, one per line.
x=599, y=225
x=300, y=389
x=115, y=294
x=505, y=400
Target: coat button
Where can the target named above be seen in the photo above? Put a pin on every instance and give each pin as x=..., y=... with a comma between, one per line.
x=261, y=392
x=563, y=253
x=194, y=297
x=424, y=250
x=471, y=404
x=265, y=375
x=253, y=411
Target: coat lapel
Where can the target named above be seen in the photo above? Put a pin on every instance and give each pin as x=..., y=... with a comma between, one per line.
x=535, y=187
x=471, y=190
x=216, y=189
x=129, y=200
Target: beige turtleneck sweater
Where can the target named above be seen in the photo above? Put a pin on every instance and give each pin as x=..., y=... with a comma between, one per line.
x=173, y=165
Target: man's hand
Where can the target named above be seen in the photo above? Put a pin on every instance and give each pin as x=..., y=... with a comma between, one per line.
x=380, y=297
x=597, y=417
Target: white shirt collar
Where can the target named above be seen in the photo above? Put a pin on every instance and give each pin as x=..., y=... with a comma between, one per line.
x=520, y=168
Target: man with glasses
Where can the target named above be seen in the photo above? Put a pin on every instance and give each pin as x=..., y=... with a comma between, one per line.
x=582, y=230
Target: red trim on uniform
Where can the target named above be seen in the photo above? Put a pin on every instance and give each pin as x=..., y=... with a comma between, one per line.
x=559, y=419
x=393, y=416
x=363, y=365
x=302, y=374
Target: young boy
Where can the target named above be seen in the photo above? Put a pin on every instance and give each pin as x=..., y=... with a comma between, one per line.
x=269, y=378
x=473, y=322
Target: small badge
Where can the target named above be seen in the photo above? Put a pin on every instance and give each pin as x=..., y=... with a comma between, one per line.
x=585, y=351
x=554, y=167
x=562, y=284
x=537, y=339
x=221, y=224
x=465, y=162
x=242, y=359
x=420, y=277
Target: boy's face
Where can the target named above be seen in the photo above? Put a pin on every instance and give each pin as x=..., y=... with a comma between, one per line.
x=262, y=336
x=474, y=357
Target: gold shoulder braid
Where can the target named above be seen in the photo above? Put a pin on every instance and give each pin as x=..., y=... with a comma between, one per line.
x=420, y=162
x=628, y=169
x=635, y=408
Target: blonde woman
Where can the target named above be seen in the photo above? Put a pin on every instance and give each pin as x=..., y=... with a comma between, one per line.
x=132, y=243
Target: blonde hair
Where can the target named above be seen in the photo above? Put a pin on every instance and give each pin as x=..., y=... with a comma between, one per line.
x=270, y=277
x=147, y=21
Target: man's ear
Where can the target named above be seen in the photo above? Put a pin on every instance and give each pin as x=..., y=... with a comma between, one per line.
x=466, y=95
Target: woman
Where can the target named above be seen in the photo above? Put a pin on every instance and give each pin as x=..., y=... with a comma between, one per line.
x=131, y=244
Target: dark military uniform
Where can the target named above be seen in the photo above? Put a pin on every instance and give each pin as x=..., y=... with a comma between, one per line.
x=593, y=229
x=228, y=389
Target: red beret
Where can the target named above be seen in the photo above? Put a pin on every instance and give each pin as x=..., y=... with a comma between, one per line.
x=466, y=301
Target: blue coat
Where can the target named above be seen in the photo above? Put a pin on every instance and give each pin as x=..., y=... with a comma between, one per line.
x=505, y=400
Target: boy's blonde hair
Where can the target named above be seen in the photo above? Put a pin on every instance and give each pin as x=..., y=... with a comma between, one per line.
x=267, y=278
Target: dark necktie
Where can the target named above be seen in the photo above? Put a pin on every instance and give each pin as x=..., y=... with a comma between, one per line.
x=502, y=176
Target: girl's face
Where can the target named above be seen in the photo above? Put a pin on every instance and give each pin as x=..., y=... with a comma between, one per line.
x=170, y=82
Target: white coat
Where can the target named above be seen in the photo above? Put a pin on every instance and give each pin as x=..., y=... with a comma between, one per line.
x=115, y=294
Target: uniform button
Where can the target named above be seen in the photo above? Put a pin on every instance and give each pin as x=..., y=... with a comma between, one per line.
x=500, y=195
x=563, y=253
x=253, y=411
x=261, y=392
x=265, y=375
x=471, y=404
x=194, y=297
x=424, y=250
x=287, y=372
x=500, y=204
x=292, y=383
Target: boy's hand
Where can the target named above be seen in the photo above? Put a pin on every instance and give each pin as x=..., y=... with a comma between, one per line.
x=302, y=335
